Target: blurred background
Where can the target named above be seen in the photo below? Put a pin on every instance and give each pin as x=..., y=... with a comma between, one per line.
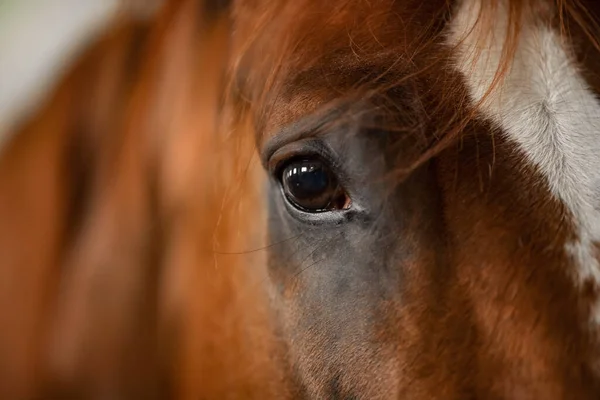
x=38, y=40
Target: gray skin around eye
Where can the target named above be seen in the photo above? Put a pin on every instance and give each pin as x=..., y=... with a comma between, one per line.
x=345, y=271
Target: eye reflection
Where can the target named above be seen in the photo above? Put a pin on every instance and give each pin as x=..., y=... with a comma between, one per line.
x=311, y=186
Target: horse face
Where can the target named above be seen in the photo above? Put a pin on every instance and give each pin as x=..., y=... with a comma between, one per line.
x=455, y=282
x=433, y=230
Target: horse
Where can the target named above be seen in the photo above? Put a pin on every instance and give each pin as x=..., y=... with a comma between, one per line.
x=308, y=199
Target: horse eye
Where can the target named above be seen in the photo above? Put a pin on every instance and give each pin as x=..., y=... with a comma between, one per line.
x=311, y=186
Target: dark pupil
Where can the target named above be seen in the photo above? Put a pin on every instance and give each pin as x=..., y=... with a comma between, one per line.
x=310, y=185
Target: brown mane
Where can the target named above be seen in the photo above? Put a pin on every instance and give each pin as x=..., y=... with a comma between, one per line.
x=268, y=26
x=124, y=229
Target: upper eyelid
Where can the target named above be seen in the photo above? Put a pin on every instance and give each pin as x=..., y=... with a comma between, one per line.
x=312, y=126
x=310, y=147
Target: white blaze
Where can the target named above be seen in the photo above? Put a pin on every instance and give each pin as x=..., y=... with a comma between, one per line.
x=544, y=106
